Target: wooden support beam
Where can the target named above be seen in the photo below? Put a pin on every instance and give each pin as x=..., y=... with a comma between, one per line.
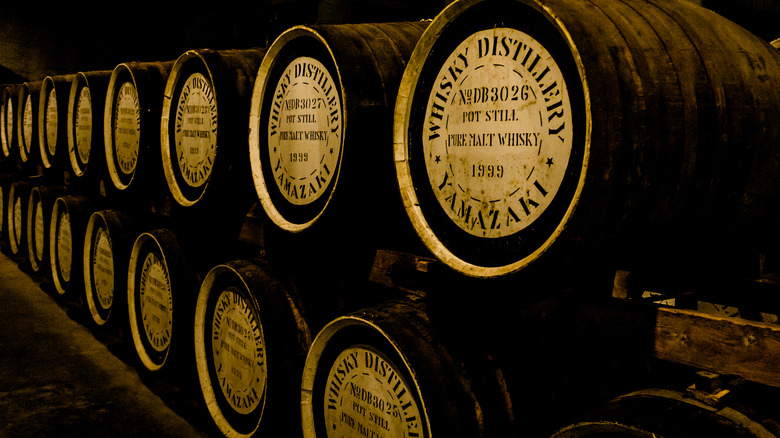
x=723, y=345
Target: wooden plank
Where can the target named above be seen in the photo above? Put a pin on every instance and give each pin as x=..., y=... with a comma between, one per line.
x=733, y=346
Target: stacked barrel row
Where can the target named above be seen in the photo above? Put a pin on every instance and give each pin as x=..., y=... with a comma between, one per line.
x=536, y=147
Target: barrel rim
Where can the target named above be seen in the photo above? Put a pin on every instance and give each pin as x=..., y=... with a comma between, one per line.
x=75, y=88
x=258, y=94
x=16, y=247
x=316, y=351
x=167, y=106
x=5, y=147
x=34, y=198
x=108, y=131
x=87, y=268
x=60, y=287
x=43, y=139
x=406, y=187
x=201, y=357
x=140, y=242
x=25, y=92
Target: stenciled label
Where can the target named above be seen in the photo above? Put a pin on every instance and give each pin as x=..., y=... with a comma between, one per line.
x=27, y=124
x=51, y=122
x=238, y=348
x=64, y=247
x=156, y=301
x=196, y=130
x=498, y=132
x=40, y=230
x=127, y=128
x=365, y=396
x=103, y=269
x=83, y=125
x=305, y=131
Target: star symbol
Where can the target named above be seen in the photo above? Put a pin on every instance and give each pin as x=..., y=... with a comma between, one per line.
x=438, y=158
x=549, y=162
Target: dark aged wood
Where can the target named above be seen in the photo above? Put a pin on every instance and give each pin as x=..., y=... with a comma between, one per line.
x=52, y=125
x=86, y=157
x=244, y=296
x=674, y=119
x=142, y=175
x=39, y=209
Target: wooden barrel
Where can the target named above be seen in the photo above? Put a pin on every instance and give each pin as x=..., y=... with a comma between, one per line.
x=18, y=196
x=8, y=103
x=27, y=124
x=321, y=118
x=203, y=126
x=384, y=371
x=161, y=293
x=108, y=240
x=251, y=342
x=39, y=209
x=52, y=121
x=515, y=136
x=667, y=413
x=67, y=227
x=132, y=127
x=85, y=127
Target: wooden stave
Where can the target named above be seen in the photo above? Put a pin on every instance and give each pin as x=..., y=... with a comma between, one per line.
x=61, y=84
x=8, y=96
x=121, y=232
x=367, y=91
x=286, y=335
x=662, y=412
x=86, y=176
x=231, y=74
x=449, y=400
x=44, y=197
x=19, y=192
x=598, y=222
x=29, y=158
x=78, y=209
x=149, y=80
x=177, y=360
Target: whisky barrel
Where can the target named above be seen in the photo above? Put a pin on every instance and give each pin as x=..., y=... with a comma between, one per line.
x=85, y=127
x=27, y=123
x=68, y=223
x=108, y=241
x=320, y=129
x=18, y=196
x=39, y=209
x=384, y=371
x=203, y=126
x=52, y=121
x=132, y=126
x=667, y=413
x=161, y=293
x=251, y=342
x=8, y=104
x=612, y=128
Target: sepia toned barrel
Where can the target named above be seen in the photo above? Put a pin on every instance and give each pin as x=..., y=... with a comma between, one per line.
x=663, y=412
x=131, y=118
x=251, y=341
x=5, y=187
x=203, y=126
x=27, y=124
x=161, y=294
x=68, y=223
x=108, y=240
x=320, y=128
x=85, y=127
x=8, y=114
x=18, y=196
x=39, y=209
x=52, y=121
x=514, y=136
x=384, y=371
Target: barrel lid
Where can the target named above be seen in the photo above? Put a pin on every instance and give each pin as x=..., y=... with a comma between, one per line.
x=296, y=129
x=492, y=134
